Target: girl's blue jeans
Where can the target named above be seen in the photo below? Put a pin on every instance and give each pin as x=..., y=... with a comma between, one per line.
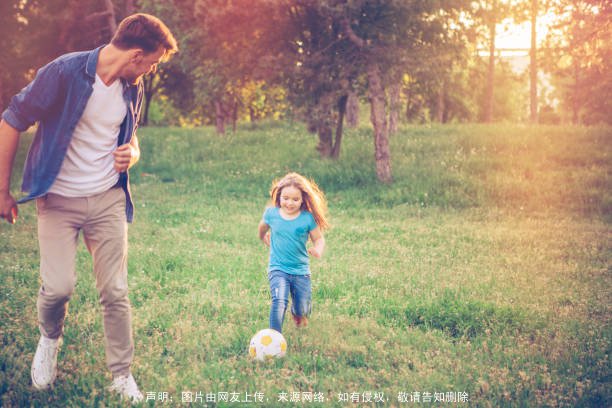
x=281, y=285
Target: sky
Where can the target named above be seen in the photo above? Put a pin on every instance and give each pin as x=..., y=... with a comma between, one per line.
x=512, y=35
x=518, y=37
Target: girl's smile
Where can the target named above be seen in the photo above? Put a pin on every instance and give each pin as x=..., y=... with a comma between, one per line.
x=291, y=201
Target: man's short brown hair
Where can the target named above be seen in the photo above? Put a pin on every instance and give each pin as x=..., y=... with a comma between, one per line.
x=146, y=32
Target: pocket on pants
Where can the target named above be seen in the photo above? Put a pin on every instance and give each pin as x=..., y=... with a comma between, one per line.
x=41, y=203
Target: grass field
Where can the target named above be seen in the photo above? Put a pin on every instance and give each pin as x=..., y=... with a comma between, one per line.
x=483, y=272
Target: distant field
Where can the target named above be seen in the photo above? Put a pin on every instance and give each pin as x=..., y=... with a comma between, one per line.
x=482, y=273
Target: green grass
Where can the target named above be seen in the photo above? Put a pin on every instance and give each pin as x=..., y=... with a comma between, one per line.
x=484, y=268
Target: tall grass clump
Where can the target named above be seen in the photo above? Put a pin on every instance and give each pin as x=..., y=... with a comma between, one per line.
x=458, y=317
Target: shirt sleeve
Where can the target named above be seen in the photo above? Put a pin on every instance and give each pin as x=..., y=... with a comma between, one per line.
x=312, y=224
x=267, y=215
x=36, y=99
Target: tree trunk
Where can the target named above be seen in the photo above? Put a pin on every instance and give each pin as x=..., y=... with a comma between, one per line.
x=441, y=104
x=410, y=111
x=378, y=114
x=325, y=139
x=379, y=121
x=219, y=117
x=335, y=153
x=2, y=102
x=148, y=95
x=394, y=99
x=533, y=68
x=111, y=20
x=575, y=97
x=488, y=117
x=145, y=117
x=352, y=110
x=234, y=115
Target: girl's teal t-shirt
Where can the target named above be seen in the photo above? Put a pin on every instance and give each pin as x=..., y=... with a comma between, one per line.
x=288, y=241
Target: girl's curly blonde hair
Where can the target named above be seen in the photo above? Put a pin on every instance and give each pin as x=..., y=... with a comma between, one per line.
x=313, y=199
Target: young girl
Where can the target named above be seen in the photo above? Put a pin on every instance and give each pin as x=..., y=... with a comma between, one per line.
x=299, y=212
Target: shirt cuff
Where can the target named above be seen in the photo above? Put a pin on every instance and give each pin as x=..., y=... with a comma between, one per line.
x=12, y=119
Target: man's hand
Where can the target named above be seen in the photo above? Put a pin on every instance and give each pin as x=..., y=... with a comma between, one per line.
x=125, y=157
x=9, y=139
x=8, y=207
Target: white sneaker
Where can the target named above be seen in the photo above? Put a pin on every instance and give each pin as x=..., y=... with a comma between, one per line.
x=125, y=386
x=44, y=365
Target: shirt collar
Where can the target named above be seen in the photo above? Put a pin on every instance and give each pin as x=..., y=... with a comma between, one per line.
x=92, y=62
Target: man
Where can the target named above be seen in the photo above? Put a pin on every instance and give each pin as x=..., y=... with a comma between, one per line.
x=87, y=106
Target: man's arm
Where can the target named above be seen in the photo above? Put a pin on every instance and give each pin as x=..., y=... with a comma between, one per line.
x=127, y=155
x=9, y=140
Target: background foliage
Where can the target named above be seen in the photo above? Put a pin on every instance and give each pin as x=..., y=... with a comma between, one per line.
x=299, y=47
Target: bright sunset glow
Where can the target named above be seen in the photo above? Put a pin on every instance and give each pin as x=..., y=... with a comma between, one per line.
x=512, y=39
x=518, y=36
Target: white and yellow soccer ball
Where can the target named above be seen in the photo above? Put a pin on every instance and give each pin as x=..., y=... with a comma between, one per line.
x=267, y=344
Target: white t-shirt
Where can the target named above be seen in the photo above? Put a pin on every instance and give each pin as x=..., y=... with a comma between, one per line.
x=87, y=168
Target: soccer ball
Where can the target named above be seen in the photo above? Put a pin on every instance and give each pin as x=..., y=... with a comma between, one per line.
x=267, y=344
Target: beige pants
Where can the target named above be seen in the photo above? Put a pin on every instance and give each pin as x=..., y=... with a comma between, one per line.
x=102, y=220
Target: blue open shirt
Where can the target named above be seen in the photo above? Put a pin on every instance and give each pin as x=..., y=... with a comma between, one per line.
x=56, y=99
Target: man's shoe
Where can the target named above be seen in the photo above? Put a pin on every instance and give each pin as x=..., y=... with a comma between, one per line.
x=44, y=365
x=126, y=387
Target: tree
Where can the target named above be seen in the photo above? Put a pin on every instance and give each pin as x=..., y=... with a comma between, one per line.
x=391, y=38
x=436, y=89
x=529, y=10
x=352, y=110
x=315, y=69
x=578, y=51
x=223, y=50
x=492, y=24
x=34, y=32
x=394, y=107
x=533, y=67
x=377, y=103
x=488, y=14
x=13, y=45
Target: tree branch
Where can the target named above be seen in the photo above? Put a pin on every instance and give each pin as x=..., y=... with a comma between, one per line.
x=350, y=34
x=99, y=15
